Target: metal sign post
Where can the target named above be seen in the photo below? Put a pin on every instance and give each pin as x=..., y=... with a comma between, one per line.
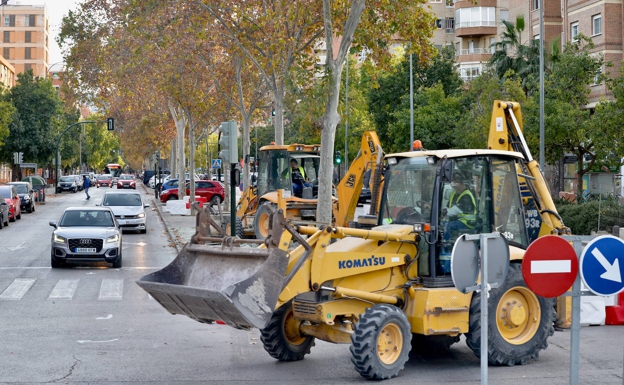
x=464, y=271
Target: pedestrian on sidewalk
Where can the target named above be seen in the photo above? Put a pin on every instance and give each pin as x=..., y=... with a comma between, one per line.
x=86, y=184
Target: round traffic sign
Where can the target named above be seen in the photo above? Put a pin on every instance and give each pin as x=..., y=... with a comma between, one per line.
x=550, y=266
x=601, y=263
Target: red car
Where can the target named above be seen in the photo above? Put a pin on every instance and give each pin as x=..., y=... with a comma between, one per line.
x=203, y=188
x=13, y=201
x=126, y=181
x=104, y=180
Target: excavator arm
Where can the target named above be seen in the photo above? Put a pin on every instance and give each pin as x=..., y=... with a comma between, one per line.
x=348, y=190
x=506, y=134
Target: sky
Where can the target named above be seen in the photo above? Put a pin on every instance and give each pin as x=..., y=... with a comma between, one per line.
x=56, y=10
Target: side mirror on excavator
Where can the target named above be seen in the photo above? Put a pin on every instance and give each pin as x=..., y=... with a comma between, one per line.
x=446, y=170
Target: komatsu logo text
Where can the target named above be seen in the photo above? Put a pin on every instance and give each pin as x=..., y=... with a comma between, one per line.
x=364, y=262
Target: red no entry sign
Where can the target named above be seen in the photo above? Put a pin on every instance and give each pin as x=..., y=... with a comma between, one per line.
x=550, y=266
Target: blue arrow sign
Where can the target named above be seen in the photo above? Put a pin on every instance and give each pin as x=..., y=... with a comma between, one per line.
x=216, y=163
x=601, y=265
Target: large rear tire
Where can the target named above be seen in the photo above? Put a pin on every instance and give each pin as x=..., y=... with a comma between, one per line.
x=261, y=220
x=117, y=263
x=381, y=342
x=282, y=339
x=55, y=263
x=519, y=322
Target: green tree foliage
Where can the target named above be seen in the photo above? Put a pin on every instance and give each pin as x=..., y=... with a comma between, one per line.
x=389, y=91
x=583, y=218
x=570, y=127
x=35, y=123
x=7, y=112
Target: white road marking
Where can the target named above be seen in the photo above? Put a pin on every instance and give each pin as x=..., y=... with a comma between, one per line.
x=548, y=267
x=111, y=289
x=18, y=288
x=64, y=289
x=95, y=342
x=107, y=317
x=18, y=247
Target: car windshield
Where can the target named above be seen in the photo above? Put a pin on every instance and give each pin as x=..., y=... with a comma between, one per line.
x=67, y=179
x=122, y=200
x=104, y=177
x=5, y=191
x=21, y=188
x=99, y=218
x=125, y=177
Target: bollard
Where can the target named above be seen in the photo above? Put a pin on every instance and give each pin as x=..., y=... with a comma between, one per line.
x=616, y=230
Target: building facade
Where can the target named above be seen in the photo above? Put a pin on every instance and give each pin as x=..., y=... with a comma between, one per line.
x=25, y=39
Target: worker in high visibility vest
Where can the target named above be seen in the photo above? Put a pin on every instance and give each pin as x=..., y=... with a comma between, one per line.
x=461, y=211
x=298, y=177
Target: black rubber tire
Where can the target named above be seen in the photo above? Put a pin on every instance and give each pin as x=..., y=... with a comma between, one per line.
x=1, y=222
x=263, y=213
x=20, y=215
x=55, y=263
x=432, y=345
x=12, y=220
x=500, y=351
x=32, y=209
x=6, y=222
x=277, y=343
x=117, y=263
x=239, y=228
x=172, y=198
x=365, y=341
x=143, y=231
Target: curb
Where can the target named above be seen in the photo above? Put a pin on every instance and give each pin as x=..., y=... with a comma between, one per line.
x=172, y=236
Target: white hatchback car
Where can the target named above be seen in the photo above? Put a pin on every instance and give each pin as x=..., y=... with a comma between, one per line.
x=128, y=207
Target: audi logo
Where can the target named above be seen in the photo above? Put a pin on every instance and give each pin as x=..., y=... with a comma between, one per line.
x=85, y=241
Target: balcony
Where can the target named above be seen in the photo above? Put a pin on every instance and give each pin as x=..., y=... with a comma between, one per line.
x=475, y=28
x=474, y=55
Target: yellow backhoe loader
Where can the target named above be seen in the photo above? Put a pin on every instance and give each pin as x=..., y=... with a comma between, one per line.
x=387, y=289
x=294, y=169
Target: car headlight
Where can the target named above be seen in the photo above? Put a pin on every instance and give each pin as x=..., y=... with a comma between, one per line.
x=59, y=239
x=142, y=215
x=114, y=238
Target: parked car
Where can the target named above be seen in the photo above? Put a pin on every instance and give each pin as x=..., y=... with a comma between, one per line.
x=104, y=180
x=13, y=201
x=26, y=194
x=4, y=212
x=171, y=183
x=203, y=188
x=152, y=181
x=79, y=182
x=128, y=208
x=86, y=234
x=126, y=181
x=67, y=183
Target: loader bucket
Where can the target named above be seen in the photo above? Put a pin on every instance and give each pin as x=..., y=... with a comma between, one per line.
x=239, y=286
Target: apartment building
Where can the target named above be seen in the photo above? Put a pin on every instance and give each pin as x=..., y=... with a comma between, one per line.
x=26, y=37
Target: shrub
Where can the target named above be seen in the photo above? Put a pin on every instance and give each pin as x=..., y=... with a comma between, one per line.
x=582, y=218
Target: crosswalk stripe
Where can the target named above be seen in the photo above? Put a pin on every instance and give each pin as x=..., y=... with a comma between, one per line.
x=111, y=289
x=18, y=288
x=64, y=289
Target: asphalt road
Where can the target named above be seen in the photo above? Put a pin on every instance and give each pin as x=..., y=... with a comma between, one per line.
x=92, y=324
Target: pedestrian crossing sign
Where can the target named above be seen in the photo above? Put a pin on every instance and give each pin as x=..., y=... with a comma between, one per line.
x=216, y=163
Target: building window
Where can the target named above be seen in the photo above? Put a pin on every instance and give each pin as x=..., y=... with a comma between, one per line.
x=438, y=23
x=27, y=53
x=596, y=77
x=7, y=36
x=9, y=20
x=30, y=20
x=450, y=25
x=469, y=71
x=504, y=15
x=536, y=4
x=28, y=37
x=435, y=1
x=450, y=3
x=573, y=31
x=475, y=17
x=6, y=52
x=27, y=67
x=536, y=37
x=596, y=25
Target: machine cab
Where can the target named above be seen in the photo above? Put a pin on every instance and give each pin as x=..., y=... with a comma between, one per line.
x=294, y=170
x=455, y=192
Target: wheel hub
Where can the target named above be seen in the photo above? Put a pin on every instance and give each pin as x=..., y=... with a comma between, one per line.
x=389, y=344
x=518, y=315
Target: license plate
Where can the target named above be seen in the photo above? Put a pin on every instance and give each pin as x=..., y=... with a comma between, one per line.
x=85, y=249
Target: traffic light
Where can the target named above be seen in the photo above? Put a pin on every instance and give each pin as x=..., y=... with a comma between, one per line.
x=20, y=158
x=228, y=142
x=338, y=157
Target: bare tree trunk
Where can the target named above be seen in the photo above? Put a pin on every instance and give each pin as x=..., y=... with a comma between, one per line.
x=329, y=121
x=172, y=157
x=180, y=123
x=278, y=119
x=192, y=161
x=246, y=148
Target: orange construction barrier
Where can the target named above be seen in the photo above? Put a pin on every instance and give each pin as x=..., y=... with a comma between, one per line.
x=615, y=314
